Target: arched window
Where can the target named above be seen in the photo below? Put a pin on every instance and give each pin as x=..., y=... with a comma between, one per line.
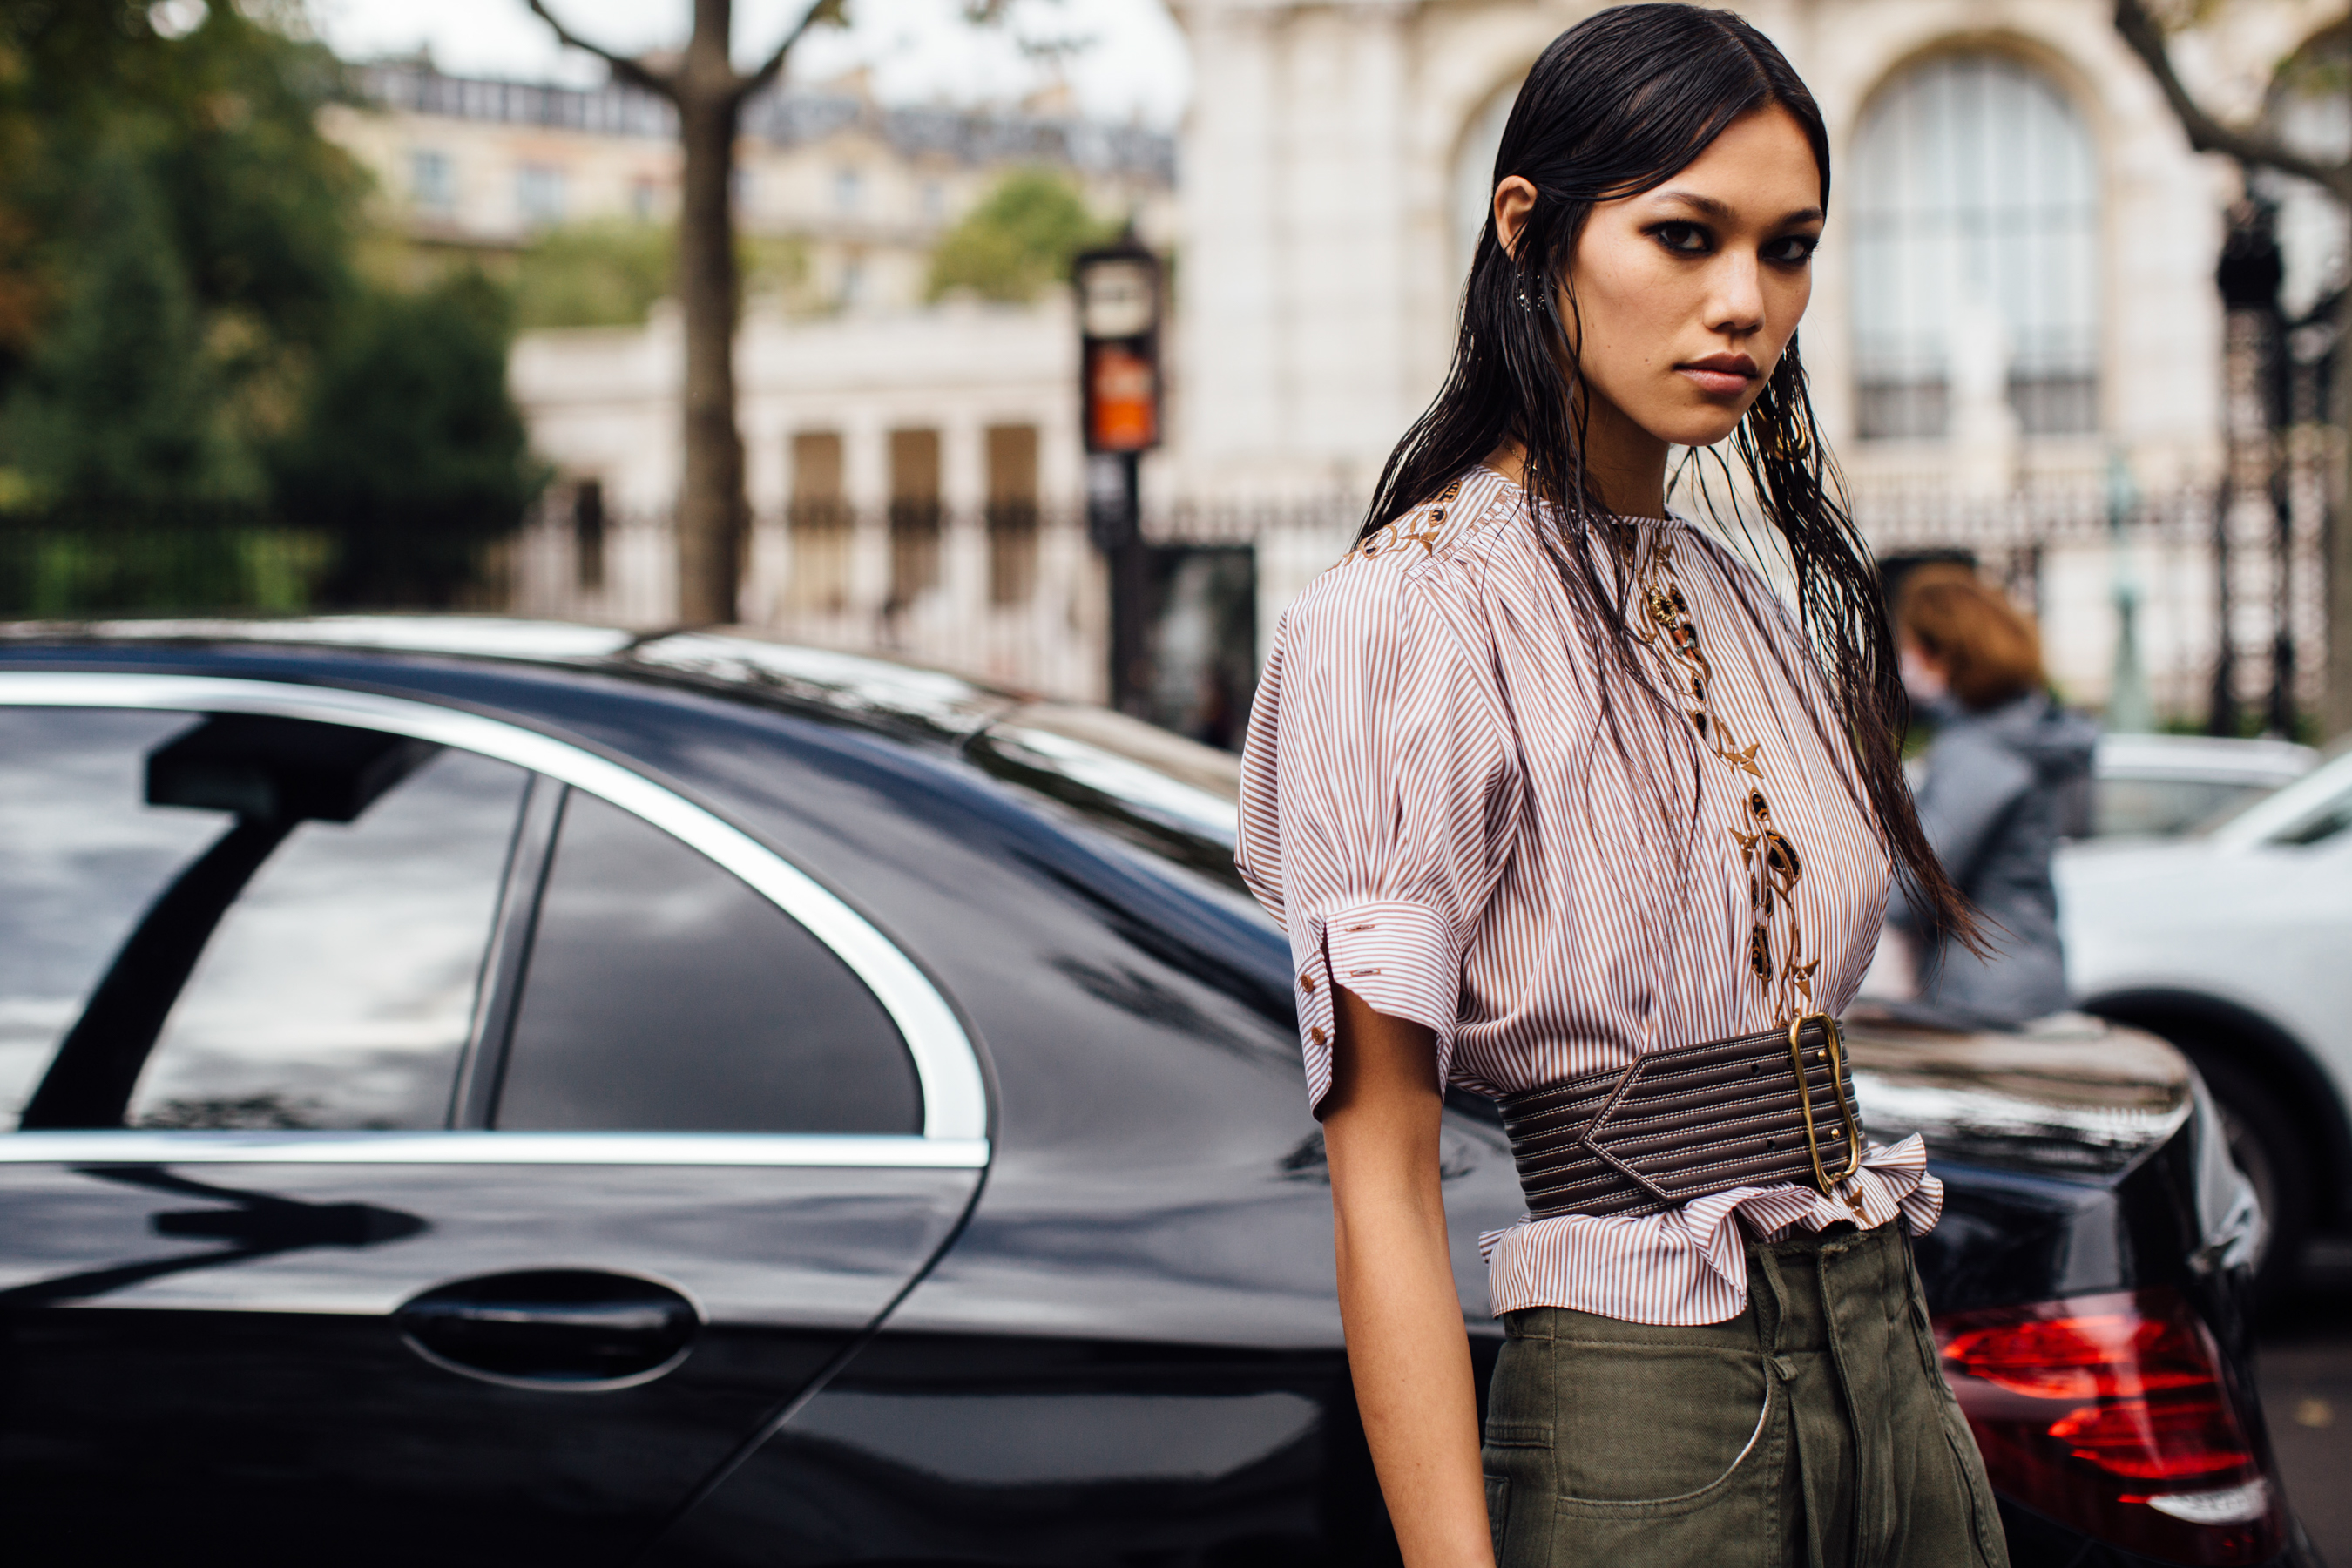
x=1975, y=249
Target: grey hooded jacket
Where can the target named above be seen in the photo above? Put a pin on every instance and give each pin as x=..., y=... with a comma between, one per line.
x=2002, y=786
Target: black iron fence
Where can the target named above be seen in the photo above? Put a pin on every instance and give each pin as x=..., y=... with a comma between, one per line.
x=57, y=565
x=208, y=560
x=2225, y=587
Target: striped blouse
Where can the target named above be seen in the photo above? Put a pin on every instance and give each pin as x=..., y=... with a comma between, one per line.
x=1433, y=805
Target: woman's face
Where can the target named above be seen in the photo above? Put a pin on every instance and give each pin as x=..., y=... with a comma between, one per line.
x=1686, y=294
x=1925, y=676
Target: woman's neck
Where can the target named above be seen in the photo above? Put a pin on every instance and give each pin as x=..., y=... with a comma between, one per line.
x=1624, y=465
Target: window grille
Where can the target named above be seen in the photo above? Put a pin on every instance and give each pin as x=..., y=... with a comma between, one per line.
x=431, y=181
x=539, y=193
x=1975, y=185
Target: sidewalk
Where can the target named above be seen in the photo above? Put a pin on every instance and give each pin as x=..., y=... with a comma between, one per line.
x=2305, y=1368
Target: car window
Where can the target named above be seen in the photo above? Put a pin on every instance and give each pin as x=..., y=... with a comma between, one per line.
x=2161, y=806
x=2324, y=821
x=82, y=855
x=226, y=921
x=339, y=990
x=663, y=994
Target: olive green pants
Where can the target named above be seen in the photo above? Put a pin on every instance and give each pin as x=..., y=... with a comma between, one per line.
x=1815, y=1428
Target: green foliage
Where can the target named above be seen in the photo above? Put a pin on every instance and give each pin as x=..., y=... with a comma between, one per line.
x=410, y=453
x=608, y=274
x=594, y=274
x=120, y=400
x=1019, y=240
x=261, y=207
x=171, y=559
x=775, y=264
x=203, y=400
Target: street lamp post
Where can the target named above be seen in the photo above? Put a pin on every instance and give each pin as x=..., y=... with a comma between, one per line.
x=1118, y=290
x=2249, y=274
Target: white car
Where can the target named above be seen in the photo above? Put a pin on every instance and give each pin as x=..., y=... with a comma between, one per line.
x=2161, y=785
x=2235, y=943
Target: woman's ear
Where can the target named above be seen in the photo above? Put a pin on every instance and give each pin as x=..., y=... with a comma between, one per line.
x=1515, y=199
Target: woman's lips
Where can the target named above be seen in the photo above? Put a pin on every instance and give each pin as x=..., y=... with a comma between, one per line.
x=1720, y=375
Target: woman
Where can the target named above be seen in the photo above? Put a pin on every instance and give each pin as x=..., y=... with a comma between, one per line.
x=1544, y=783
x=2010, y=768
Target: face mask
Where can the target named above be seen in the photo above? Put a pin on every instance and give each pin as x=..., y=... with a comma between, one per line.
x=1924, y=682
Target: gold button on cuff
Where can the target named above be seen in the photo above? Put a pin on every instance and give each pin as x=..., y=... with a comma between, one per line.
x=1317, y=1034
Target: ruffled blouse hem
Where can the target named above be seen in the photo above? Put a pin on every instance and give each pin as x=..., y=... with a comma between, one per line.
x=1689, y=1266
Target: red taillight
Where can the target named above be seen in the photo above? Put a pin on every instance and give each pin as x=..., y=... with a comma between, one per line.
x=2108, y=1413
x=2083, y=1355
x=2157, y=1440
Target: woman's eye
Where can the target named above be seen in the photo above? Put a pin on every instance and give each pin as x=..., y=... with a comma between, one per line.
x=1683, y=239
x=1791, y=251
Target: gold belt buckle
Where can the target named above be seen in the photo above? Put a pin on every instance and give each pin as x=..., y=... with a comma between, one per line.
x=1833, y=1052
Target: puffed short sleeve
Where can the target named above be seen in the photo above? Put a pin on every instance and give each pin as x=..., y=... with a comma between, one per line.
x=1379, y=794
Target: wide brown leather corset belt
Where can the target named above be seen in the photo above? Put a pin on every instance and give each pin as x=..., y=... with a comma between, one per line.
x=1680, y=1124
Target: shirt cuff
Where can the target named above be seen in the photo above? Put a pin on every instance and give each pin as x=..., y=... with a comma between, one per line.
x=1401, y=960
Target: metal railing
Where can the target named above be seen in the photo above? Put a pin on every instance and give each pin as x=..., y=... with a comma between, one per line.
x=2221, y=594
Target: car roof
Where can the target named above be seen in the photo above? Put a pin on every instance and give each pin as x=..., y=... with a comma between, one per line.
x=2202, y=757
x=1164, y=781
x=897, y=694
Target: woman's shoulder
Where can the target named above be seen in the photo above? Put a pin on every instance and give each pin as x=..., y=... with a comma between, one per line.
x=1400, y=585
x=1408, y=556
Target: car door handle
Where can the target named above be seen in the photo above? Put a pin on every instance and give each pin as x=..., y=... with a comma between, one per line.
x=570, y=1328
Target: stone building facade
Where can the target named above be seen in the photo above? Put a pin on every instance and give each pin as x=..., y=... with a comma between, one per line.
x=867, y=189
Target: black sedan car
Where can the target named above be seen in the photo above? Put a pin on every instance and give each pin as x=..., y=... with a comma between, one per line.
x=487, y=1093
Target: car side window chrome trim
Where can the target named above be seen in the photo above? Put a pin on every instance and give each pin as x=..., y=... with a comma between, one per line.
x=193, y=1147
x=955, y=1098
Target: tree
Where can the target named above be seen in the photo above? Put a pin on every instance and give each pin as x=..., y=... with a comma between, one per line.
x=175, y=241
x=410, y=453
x=708, y=91
x=2257, y=147
x=118, y=402
x=1019, y=240
x=594, y=275
x=609, y=273
x=190, y=351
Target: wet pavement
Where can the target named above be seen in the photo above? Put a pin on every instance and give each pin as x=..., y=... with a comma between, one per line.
x=2305, y=1368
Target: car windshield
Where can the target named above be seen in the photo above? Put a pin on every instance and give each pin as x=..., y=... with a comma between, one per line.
x=2317, y=806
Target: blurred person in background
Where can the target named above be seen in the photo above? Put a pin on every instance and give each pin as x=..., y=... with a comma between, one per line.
x=2008, y=776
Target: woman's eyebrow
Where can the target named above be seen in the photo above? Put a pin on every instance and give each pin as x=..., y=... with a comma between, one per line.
x=1723, y=212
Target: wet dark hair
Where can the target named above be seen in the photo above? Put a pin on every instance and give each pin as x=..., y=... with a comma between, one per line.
x=1618, y=104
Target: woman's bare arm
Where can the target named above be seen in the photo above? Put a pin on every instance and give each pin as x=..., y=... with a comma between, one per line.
x=1406, y=1347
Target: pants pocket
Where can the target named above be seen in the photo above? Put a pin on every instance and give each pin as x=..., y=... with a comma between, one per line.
x=1653, y=1426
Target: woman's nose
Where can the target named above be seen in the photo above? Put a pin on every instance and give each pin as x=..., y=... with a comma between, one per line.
x=1737, y=304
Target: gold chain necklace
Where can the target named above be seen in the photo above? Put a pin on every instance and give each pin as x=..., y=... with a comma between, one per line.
x=1776, y=943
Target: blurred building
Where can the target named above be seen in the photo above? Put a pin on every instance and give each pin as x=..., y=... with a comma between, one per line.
x=2016, y=342
x=913, y=467
x=485, y=166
